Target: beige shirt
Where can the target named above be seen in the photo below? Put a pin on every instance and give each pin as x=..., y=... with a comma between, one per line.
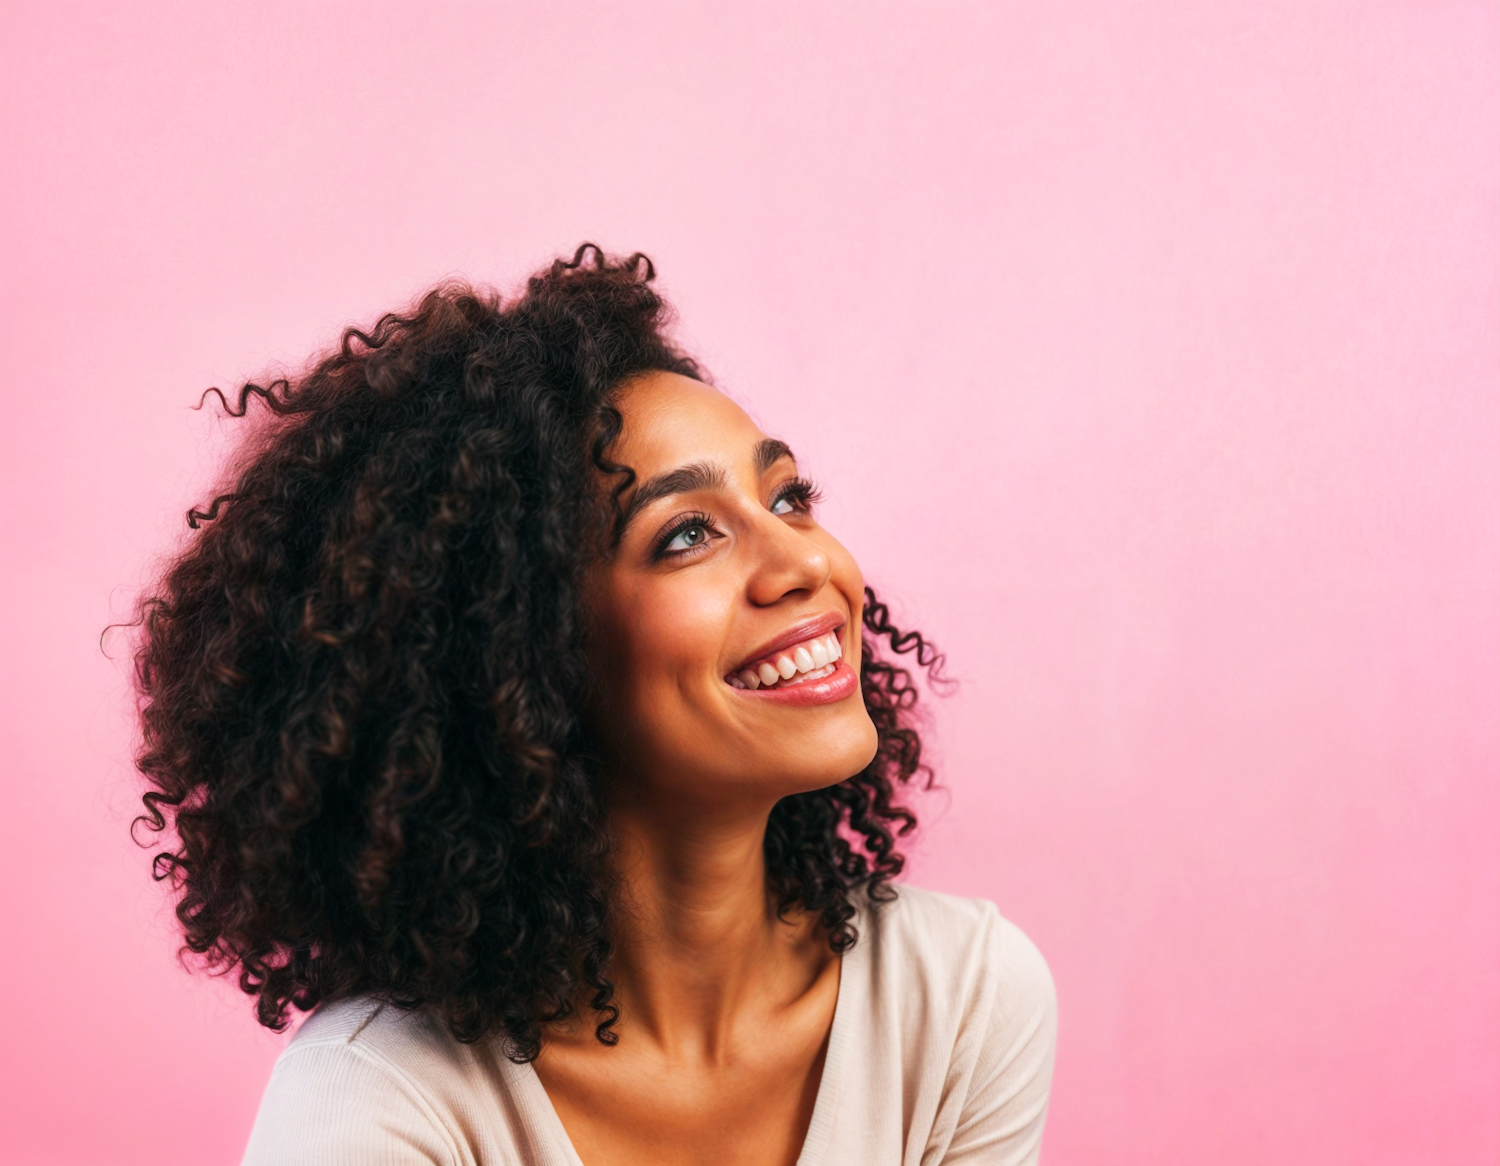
x=941, y=1051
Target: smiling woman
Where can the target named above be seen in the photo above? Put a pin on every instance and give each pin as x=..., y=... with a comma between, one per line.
x=514, y=714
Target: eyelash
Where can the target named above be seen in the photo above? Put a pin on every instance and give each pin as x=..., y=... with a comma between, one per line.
x=802, y=493
x=686, y=522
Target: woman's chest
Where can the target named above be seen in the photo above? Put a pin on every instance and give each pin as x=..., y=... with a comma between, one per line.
x=621, y=1107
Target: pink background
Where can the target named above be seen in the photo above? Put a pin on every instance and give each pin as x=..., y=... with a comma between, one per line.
x=1150, y=355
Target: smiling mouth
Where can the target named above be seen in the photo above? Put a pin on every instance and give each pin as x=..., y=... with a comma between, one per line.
x=814, y=658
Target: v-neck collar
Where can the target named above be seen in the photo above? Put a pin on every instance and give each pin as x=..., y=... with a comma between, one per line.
x=557, y=1148
x=846, y=1010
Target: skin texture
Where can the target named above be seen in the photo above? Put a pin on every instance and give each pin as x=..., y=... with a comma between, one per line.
x=725, y=1008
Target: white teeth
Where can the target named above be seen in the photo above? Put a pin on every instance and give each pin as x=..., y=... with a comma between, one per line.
x=814, y=659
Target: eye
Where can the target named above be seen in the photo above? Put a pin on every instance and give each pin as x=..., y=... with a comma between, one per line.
x=687, y=538
x=794, y=497
x=688, y=534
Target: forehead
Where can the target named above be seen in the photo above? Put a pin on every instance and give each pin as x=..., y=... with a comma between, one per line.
x=672, y=420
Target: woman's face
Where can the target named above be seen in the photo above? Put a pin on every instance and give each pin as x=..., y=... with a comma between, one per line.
x=725, y=625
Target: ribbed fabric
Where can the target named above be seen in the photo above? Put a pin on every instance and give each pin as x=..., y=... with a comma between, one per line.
x=941, y=1052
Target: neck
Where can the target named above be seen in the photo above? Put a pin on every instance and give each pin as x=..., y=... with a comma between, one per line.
x=697, y=939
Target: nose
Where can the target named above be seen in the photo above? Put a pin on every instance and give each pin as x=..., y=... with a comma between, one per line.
x=788, y=563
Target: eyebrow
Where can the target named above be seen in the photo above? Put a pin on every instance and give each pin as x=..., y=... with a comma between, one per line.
x=769, y=452
x=698, y=476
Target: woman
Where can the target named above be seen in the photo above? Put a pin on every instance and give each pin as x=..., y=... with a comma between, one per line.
x=516, y=716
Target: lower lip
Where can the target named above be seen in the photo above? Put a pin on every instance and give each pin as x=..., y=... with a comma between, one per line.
x=840, y=683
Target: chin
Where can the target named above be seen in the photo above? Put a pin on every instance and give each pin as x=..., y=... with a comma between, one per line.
x=837, y=760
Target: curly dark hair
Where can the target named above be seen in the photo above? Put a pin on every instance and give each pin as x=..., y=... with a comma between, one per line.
x=360, y=681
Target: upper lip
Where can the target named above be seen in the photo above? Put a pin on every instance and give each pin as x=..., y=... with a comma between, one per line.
x=807, y=629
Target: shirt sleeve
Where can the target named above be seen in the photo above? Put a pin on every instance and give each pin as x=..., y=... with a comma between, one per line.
x=1001, y=1121
x=339, y=1105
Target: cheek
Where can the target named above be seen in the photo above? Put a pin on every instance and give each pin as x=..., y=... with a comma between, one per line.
x=668, y=637
x=658, y=704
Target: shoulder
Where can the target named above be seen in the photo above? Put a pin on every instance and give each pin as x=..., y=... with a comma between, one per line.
x=407, y=1041
x=941, y=937
x=973, y=1002
x=361, y=1081
x=944, y=968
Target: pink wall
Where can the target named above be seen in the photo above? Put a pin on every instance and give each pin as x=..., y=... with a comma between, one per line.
x=1150, y=356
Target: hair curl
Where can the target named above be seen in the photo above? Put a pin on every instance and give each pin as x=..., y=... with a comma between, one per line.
x=360, y=681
